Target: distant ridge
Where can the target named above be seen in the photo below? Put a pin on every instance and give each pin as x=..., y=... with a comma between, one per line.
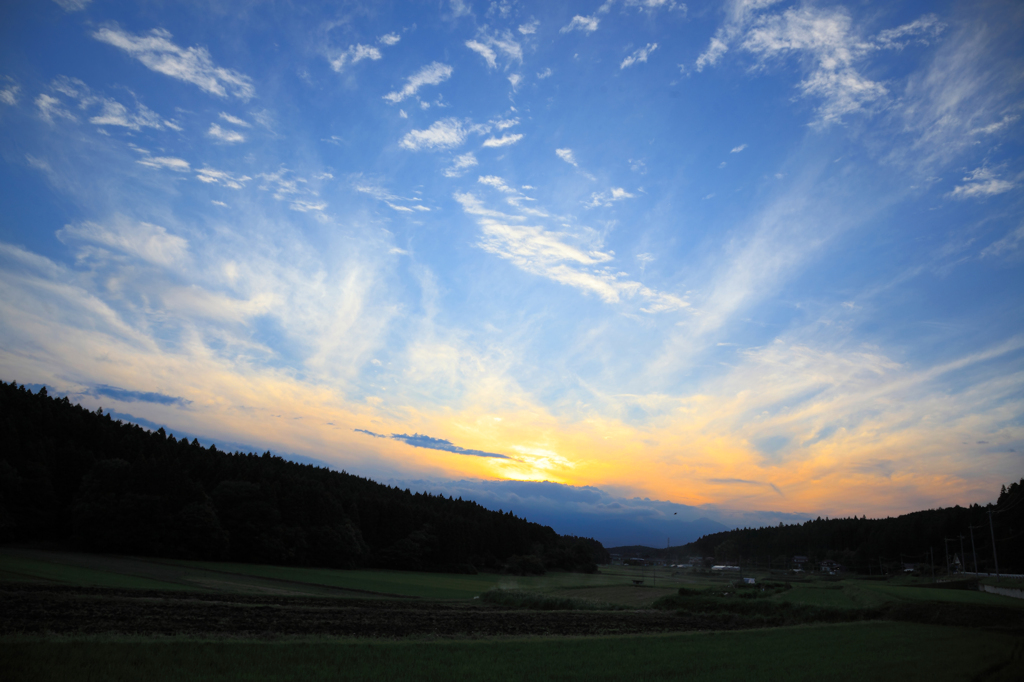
x=95, y=483
x=872, y=546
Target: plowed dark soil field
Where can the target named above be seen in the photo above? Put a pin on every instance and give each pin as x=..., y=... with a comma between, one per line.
x=72, y=610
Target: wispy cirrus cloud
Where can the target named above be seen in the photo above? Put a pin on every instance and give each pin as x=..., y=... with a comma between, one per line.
x=567, y=156
x=105, y=111
x=489, y=46
x=355, y=54
x=581, y=23
x=234, y=120
x=225, y=135
x=829, y=42
x=503, y=141
x=638, y=56
x=431, y=74
x=460, y=165
x=152, y=243
x=443, y=134
x=981, y=182
x=168, y=162
x=553, y=255
x=213, y=176
x=73, y=5
x=10, y=92
x=193, y=65
x=609, y=197
x=529, y=28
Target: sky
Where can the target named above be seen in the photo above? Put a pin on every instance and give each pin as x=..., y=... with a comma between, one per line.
x=639, y=262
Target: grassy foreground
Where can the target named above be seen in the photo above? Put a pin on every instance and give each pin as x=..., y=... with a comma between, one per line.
x=854, y=651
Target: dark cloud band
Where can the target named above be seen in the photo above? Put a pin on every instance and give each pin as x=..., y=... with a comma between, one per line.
x=420, y=441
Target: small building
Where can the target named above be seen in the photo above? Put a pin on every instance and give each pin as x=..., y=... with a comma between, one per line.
x=800, y=561
x=723, y=567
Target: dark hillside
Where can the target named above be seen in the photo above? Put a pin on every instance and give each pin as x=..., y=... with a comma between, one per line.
x=883, y=545
x=73, y=476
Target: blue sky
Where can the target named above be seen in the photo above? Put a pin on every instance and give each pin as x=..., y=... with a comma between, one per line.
x=742, y=256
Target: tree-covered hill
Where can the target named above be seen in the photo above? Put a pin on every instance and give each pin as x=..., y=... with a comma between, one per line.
x=875, y=545
x=74, y=476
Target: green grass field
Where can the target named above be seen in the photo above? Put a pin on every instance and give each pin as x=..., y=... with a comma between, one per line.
x=613, y=584
x=857, y=651
x=92, y=570
x=842, y=651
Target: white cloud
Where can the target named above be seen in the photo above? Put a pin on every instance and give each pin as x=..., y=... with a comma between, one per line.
x=1010, y=243
x=488, y=47
x=710, y=56
x=515, y=79
x=739, y=14
x=111, y=113
x=923, y=28
x=150, y=242
x=530, y=28
x=226, y=136
x=737, y=150
x=502, y=124
x=234, y=120
x=460, y=8
x=567, y=156
x=443, y=134
x=826, y=43
x=828, y=38
x=554, y=256
x=73, y=5
x=489, y=55
x=389, y=39
x=169, y=162
x=355, y=54
x=581, y=23
x=9, y=95
x=981, y=182
x=304, y=206
x=116, y=114
x=639, y=55
x=461, y=165
x=497, y=183
x=995, y=127
x=651, y=5
x=192, y=65
x=50, y=107
x=219, y=177
x=541, y=75
x=609, y=197
x=431, y=74
x=503, y=141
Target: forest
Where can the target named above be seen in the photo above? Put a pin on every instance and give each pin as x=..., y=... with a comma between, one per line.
x=75, y=478
x=885, y=545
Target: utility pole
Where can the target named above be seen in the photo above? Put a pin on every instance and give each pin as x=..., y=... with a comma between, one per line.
x=963, y=557
x=945, y=542
x=992, y=530
x=973, y=550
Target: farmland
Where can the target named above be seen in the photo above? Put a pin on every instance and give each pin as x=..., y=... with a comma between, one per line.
x=115, y=617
